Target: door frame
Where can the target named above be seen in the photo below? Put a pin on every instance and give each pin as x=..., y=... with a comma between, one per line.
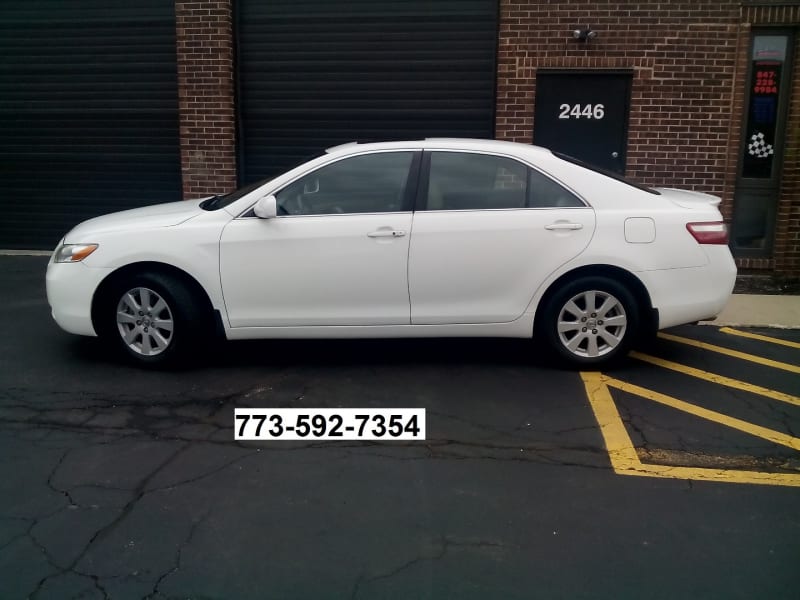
x=772, y=186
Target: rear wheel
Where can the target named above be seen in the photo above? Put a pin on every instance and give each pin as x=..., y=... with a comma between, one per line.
x=590, y=321
x=154, y=319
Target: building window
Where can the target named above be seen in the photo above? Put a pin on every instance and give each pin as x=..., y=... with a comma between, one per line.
x=769, y=56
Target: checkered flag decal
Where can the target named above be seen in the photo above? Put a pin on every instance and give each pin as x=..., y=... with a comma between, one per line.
x=758, y=147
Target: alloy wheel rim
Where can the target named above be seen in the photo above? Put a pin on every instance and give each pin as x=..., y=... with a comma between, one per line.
x=592, y=324
x=144, y=321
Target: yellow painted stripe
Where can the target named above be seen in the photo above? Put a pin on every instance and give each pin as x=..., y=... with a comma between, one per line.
x=625, y=460
x=770, y=435
x=759, y=337
x=718, y=379
x=618, y=442
x=728, y=352
x=715, y=475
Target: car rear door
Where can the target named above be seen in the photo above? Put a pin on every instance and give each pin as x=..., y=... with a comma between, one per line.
x=487, y=232
x=336, y=254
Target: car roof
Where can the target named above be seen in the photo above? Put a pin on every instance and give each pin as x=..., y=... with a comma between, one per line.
x=441, y=143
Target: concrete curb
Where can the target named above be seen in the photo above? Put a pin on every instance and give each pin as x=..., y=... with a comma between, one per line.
x=760, y=310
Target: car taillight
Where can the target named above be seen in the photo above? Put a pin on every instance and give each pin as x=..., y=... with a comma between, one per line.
x=713, y=232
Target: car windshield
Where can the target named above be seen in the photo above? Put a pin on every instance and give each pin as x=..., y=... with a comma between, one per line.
x=607, y=173
x=217, y=202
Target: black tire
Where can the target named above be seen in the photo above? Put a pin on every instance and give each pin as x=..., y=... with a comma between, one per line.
x=166, y=335
x=586, y=336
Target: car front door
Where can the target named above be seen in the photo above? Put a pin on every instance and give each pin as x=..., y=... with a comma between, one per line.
x=489, y=232
x=336, y=254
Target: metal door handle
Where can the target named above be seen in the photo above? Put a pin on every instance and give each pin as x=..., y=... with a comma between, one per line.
x=386, y=233
x=570, y=226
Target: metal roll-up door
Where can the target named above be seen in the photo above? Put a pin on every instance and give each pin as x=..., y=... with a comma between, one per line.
x=88, y=113
x=315, y=73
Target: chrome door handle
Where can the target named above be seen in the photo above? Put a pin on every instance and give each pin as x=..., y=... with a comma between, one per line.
x=386, y=233
x=569, y=226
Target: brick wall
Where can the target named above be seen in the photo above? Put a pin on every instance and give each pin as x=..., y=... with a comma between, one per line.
x=206, y=97
x=787, y=234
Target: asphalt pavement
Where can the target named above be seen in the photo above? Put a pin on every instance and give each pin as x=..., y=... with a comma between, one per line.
x=673, y=475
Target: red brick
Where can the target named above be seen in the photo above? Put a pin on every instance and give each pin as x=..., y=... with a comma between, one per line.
x=206, y=97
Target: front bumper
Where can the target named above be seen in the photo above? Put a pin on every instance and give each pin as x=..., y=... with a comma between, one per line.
x=70, y=289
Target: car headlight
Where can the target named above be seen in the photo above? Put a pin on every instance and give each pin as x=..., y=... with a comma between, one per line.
x=70, y=253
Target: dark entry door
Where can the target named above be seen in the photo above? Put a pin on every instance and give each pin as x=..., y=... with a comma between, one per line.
x=759, y=182
x=584, y=115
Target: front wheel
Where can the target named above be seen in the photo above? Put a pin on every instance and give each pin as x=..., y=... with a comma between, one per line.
x=154, y=319
x=590, y=321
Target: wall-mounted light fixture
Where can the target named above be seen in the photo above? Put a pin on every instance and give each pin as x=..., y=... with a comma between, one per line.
x=584, y=35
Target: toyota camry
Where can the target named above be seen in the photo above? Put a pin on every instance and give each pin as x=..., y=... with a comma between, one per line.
x=433, y=238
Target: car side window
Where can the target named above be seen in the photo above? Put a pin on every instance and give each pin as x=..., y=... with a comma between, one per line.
x=362, y=184
x=465, y=181
x=543, y=192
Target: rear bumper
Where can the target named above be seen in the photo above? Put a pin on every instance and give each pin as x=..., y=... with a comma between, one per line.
x=70, y=289
x=693, y=294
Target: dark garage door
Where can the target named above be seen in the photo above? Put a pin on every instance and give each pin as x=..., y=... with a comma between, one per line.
x=316, y=73
x=88, y=113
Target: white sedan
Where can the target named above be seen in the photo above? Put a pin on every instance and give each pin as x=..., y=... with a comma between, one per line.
x=433, y=238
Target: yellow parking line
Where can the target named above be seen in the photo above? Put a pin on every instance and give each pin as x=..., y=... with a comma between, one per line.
x=718, y=379
x=776, y=437
x=715, y=475
x=759, y=337
x=728, y=352
x=625, y=460
x=618, y=442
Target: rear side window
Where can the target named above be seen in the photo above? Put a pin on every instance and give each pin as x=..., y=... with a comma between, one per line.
x=543, y=192
x=466, y=181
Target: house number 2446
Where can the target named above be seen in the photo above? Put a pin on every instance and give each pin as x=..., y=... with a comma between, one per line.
x=587, y=111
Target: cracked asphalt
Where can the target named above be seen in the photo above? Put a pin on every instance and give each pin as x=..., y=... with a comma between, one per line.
x=121, y=483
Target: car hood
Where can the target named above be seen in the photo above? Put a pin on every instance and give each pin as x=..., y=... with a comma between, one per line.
x=688, y=199
x=147, y=217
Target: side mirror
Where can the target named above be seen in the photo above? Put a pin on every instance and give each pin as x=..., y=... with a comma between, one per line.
x=266, y=207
